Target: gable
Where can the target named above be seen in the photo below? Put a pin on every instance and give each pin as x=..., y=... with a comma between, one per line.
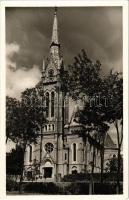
x=109, y=142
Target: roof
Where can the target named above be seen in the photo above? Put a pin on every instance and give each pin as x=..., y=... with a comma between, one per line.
x=109, y=142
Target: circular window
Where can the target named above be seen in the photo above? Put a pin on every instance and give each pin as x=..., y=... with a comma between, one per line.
x=49, y=147
x=51, y=73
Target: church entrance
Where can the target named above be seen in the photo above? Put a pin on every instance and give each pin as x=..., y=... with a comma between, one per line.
x=47, y=172
x=48, y=169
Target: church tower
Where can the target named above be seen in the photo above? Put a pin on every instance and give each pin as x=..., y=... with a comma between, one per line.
x=52, y=83
x=49, y=152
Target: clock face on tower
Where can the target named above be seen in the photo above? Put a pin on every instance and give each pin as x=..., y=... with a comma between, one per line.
x=51, y=73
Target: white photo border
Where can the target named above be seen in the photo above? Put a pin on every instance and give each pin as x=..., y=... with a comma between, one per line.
x=59, y=3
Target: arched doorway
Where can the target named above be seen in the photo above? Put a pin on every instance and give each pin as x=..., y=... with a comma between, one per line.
x=48, y=169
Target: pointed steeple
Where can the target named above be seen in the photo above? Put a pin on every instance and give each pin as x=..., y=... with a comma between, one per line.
x=55, y=46
x=55, y=29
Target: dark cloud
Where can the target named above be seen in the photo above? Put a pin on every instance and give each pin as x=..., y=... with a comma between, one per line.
x=96, y=29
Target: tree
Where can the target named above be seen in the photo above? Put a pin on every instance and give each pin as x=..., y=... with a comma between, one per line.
x=14, y=161
x=83, y=76
x=114, y=112
x=34, y=101
x=112, y=164
x=97, y=129
x=29, y=118
x=12, y=110
x=85, y=82
x=104, y=95
x=32, y=118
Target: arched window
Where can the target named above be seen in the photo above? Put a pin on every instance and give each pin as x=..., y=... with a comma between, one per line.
x=65, y=156
x=30, y=158
x=45, y=127
x=74, y=170
x=47, y=104
x=74, y=152
x=53, y=127
x=52, y=104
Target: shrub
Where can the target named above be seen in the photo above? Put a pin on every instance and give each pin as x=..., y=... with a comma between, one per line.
x=77, y=188
x=45, y=188
x=11, y=185
x=106, y=188
x=96, y=177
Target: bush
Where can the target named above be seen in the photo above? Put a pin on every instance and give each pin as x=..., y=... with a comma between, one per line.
x=77, y=189
x=106, y=188
x=11, y=185
x=107, y=177
x=45, y=188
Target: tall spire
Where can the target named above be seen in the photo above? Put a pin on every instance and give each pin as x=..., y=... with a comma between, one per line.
x=54, y=56
x=55, y=29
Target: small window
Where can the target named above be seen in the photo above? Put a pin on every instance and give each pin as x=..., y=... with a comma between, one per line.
x=65, y=156
x=53, y=127
x=83, y=154
x=52, y=104
x=74, y=152
x=74, y=170
x=30, y=158
x=47, y=104
x=45, y=127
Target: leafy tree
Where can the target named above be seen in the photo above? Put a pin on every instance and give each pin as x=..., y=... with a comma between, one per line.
x=83, y=76
x=33, y=101
x=14, y=161
x=32, y=118
x=28, y=121
x=112, y=164
x=114, y=111
x=103, y=97
x=96, y=128
x=85, y=82
x=12, y=110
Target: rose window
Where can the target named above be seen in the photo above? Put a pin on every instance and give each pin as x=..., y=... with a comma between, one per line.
x=49, y=147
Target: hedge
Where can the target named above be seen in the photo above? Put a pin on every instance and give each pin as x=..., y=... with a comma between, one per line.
x=44, y=188
x=107, y=177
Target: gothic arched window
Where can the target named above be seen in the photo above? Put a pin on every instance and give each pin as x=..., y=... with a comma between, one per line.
x=52, y=104
x=74, y=152
x=53, y=127
x=74, y=170
x=30, y=158
x=47, y=104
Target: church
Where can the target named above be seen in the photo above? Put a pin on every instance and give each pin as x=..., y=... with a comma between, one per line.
x=63, y=147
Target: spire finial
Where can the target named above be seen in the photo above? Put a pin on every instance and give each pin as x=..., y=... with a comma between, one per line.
x=43, y=67
x=55, y=13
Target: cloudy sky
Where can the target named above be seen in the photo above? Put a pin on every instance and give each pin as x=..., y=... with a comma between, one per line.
x=28, y=34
